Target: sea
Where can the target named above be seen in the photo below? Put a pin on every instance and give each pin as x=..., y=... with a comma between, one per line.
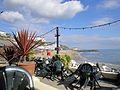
x=111, y=56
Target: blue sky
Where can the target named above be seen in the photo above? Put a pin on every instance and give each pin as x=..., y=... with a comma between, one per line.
x=43, y=15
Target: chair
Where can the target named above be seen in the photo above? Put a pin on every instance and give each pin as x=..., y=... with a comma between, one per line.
x=15, y=78
x=58, y=67
x=83, y=76
x=87, y=76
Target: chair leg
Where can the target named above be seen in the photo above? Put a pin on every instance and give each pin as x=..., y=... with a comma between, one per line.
x=97, y=83
x=86, y=83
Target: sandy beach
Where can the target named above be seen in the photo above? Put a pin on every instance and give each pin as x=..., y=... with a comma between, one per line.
x=77, y=57
x=73, y=54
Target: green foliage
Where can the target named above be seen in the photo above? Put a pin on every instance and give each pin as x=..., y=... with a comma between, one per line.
x=8, y=35
x=64, y=58
x=31, y=55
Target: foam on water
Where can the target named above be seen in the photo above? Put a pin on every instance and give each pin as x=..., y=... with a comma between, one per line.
x=104, y=55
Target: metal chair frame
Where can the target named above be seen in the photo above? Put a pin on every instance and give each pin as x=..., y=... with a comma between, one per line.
x=14, y=78
x=83, y=76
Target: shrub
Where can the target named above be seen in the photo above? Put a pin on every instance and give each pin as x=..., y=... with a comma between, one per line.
x=64, y=58
x=31, y=55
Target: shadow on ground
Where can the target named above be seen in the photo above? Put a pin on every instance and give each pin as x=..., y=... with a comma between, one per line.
x=76, y=87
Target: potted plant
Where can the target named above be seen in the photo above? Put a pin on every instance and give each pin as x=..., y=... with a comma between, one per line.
x=25, y=42
x=9, y=54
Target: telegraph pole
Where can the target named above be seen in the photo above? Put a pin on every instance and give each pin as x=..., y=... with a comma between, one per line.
x=57, y=41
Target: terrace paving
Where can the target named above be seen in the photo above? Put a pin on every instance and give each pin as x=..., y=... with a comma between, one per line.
x=47, y=84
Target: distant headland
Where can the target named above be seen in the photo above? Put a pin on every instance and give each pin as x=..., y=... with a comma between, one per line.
x=87, y=50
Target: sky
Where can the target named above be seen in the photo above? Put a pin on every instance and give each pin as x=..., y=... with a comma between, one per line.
x=41, y=16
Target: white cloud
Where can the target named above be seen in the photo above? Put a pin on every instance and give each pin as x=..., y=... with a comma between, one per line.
x=41, y=20
x=47, y=8
x=102, y=21
x=32, y=27
x=38, y=14
x=11, y=16
x=109, y=4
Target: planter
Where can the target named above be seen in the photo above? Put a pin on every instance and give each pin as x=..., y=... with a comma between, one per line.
x=29, y=66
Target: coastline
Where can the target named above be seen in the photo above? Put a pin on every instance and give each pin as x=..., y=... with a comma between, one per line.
x=75, y=55
x=110, y=65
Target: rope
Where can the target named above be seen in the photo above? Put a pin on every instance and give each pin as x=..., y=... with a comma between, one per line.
x=90, y=27
x=47, y=32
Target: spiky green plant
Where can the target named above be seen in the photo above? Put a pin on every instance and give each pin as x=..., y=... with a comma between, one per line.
x=25, y=42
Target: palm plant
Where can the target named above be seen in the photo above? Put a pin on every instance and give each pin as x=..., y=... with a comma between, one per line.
x=9, y=54
x=25, y=43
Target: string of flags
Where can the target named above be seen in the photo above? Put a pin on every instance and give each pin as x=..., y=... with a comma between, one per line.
x=83, y=28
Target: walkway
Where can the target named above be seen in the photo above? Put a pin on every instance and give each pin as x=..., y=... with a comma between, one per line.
x=46, y=84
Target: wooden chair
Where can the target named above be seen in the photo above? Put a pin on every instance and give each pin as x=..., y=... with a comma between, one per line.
x=15, y=78
x=58, y=67
x=87, y=77
x=83, y=76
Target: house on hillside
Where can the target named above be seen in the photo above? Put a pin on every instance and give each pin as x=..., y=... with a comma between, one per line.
x=40, y=38
x=2, y=33
x=75, y=49
x=52, y=46
x=47, y=46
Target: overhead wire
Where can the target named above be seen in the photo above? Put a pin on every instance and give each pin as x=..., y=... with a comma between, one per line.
x=90, y=27
x=47, y=32
x=87, y=27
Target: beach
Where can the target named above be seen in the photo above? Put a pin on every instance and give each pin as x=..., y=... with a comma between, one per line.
x=75, y=55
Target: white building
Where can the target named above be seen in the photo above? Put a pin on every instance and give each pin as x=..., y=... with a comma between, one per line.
x=40, y=38
x=51, y=46
x=48, y=46
x=75, y=49
x=2, y=33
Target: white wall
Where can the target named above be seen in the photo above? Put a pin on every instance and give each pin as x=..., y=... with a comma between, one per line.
x=2, y=33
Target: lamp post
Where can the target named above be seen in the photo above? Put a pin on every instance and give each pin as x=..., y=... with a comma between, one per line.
x=57, y=36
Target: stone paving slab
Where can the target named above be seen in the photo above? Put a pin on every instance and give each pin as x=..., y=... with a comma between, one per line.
x=46, y=84
x=42, y=86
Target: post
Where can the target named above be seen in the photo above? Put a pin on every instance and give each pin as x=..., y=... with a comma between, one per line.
x=57, y=36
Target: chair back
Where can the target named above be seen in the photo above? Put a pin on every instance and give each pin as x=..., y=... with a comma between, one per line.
x=15, y=78
x=58, y=65
x=85, y=70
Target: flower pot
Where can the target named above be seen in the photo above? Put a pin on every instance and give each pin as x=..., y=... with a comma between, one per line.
x=29, y=66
